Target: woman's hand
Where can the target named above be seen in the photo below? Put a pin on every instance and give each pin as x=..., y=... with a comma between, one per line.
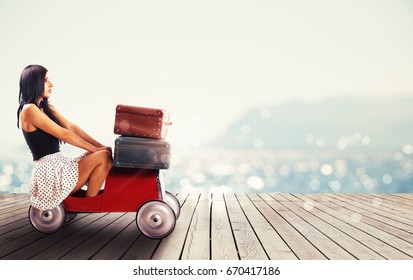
x=103, y=148
x=109, y=149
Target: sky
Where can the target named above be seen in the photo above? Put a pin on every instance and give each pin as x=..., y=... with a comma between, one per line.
x=206, y=62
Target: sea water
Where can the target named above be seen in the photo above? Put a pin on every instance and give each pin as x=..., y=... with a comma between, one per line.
x=294, y=171
x=309, y=170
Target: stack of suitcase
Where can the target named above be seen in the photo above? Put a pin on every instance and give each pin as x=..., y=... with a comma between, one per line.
x=141, y=143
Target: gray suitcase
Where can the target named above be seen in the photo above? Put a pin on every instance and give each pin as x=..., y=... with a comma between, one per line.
x=137, y=152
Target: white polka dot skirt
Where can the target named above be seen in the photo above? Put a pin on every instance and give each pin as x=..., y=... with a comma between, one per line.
x=53, y=179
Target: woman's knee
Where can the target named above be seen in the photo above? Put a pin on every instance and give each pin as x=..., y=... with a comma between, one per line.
x=106, y=159
x=109, y=162
x=95, y=159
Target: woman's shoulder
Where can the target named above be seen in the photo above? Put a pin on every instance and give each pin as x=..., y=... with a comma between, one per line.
x=29, y=112
x=30, y=108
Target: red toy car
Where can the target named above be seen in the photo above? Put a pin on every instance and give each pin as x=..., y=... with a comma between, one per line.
x=126, y=190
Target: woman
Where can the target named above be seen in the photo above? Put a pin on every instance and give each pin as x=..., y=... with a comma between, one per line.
x=44, y=128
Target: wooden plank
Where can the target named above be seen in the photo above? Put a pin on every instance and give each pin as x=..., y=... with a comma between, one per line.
x=119, y=245
x=92, y=245
x=10, y=219
x=59, y=250
x=406, y=197
x=142, y=249
x=12, y=226
x=171, y=246
x=393, y=215
x=197, y=243
x=385, y=225
x=15, y=231
x=13, y=216
x=47, y=240
x=366, y=226
x=8, y=195
x=25, y=237
x=368, y=204
x=377, y=240
x=300, y=246
x=22, y=202
x=7, y=198
x=13, y=205
x=223, y=245
x=248, y=244
x=329, y=248
x=387, y=201
x=12, y=200
x=182, y=197
x=393, y=227
x=17, y=205
x=328, y=226
x=15, y=212
x=273, y=244
x=402, y=198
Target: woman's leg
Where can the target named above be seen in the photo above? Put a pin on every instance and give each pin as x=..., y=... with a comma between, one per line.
x=93, y=169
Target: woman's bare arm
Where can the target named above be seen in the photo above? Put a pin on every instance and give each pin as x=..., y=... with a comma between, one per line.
x=74, y=128
x=43, y=122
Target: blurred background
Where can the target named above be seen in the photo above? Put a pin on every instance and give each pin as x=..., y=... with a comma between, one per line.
x=265, y=96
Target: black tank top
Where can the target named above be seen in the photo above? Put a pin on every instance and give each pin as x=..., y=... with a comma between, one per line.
x=41, y=143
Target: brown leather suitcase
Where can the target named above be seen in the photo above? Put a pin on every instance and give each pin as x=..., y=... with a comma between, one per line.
x=141, y=122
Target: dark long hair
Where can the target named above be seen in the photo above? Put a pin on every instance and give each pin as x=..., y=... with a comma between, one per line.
x=32, y=88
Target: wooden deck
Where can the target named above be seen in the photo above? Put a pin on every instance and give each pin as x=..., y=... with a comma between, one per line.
x=231, y=226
